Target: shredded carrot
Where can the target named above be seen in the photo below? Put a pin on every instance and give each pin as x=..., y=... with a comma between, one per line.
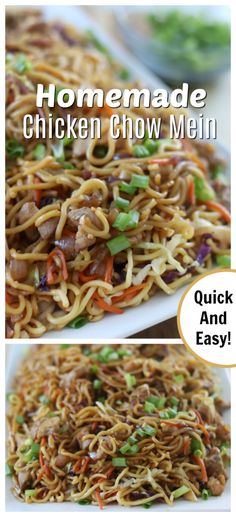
x=128, y=293
x=94, y=426
x=40, y=474
x=87, y=278
x=98, y=497
x=77, y=465
x=205, y=432
x=199, y=416
x=51, y=266
x=191, y=193
x=109, y=269
x=48, y=471
x=43, y=441
x=186, y=445
x=8, y=298
x=173, y=424
x=107, y=110
x=198, y=162
x=85, y=465
x=109, y=471
x=163, y=161
x=68, y=233
x=37, y=193
x=202, y=466
x=105, y=306
x=220, y=209
x=110, y=494
x=41, y=460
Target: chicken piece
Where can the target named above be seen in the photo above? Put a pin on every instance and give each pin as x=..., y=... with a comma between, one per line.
x=24, y=479
x=77, y=218
x=67, y=245
x=216, y=485
x=27, y=211
x=47, y=229
x=214, y=463
x=18, y=269
x=61, y=460
x=205, y=406
x=45, y=426
x=139, y=395
x=79, y=438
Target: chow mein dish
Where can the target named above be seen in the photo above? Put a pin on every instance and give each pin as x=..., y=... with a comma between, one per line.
x=96, y=226
x=133, y=425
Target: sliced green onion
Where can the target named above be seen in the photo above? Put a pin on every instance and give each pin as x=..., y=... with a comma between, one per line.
x=78, y=322
x=94, y=368
x=149, y=407
x=158, y=402
x=39, y=152
x=118, y=244
x=30, y=493
x=20, y=419
x=9, y=470
x=22, y=64
x=198, y=453
x=119, y=462
x=130, y=380
x=97, y=384
x=114, y=356
x=134, y=449
x=169, y=413
x=223, y=260
x=179, y=379
x=125, y=448
x=140, y=151
x=84, y=502
x=195, y=445
x=105, y=353
x=64, y=346
x=126, y=187
x=10, y=397
x=151, y=145
x=14, y=149
x=68, y=140
x=44, y=399
x=147, y=430
x=101, y=399
x=125, y=221
x=122, y=203
x=139, y=181
x=32, y=453
x=203, y=191
x=174, y=401
x=58, y=151
x=51, y=414
x=217, y=172
x=147, y=505
x=68, y=166
x=124, y=353
x=205, y=494
x=124, y=74
x=180, y=491
x=132, y=440
x=97, y=43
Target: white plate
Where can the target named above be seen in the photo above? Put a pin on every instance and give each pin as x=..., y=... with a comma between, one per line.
x=222, y=504
x=161, y=307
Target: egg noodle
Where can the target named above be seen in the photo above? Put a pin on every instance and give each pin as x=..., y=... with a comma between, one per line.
x=133, y=425
x=96, y=226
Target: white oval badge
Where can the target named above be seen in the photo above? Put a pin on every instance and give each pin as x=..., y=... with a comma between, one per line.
x=207, y=317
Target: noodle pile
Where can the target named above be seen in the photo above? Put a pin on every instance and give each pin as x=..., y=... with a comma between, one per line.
x=132, y=425
x=96, y=226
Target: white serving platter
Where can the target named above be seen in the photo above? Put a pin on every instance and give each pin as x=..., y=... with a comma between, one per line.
x=15, y=354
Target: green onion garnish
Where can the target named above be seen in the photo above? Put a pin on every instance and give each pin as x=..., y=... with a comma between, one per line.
x=78, y=322
x=139, y=181
x=126, y=187
x=30, y=493
x=149, y=407
x=68, y=166
x=20, y=419
x=126, y=221
x=84, y=502
x=14, y=149
x=195, y=445
x=140, y=151
x=118, y=244
x=205, y=494
x=223, y=260
x=147, y=505
x=147, y=430
x=125, y=448
x=124, y=353
x=217, y=172
x=32, y=453
x=122, y=203
x=9, y=470
x=100, y=151
x=97, y=384
x=174, y=401
x=22, y=64
x=94, y=368
x=169, y=413
x=130, y=380
x=151, y=145
x=179, y=379
x=158, y=402
x=124, y=74
x=180, y=491
x=39, y=152
x=119, y=462
x=64, y=346
x=132, y=440
x=203, y=191
x=44, y=399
